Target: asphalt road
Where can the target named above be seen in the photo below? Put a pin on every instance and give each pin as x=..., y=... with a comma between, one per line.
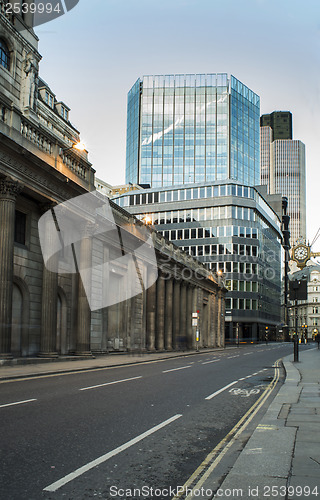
x=152, y=423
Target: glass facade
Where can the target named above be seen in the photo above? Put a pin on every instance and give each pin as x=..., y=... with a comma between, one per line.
x=283, y=170
x=192, y=128
x=230, y=228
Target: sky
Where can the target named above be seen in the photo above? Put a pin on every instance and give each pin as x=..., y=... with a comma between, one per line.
x=93, y=55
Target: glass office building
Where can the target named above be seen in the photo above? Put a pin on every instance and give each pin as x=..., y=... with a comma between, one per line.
x=283, y=171
x=183, y=129
x=229, y=227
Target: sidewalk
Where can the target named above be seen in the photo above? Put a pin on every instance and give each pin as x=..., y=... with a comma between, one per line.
x=284, y=450
x=36, y=367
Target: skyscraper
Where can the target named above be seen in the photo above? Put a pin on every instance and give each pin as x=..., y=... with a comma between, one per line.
x=191, y=128
x=280, y=123
x=283, y=168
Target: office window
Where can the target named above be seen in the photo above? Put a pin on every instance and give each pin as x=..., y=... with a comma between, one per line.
x=20, y=227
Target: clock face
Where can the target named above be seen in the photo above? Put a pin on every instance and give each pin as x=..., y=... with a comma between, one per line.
x=301, y=253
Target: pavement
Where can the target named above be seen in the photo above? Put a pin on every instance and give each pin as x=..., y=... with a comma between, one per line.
x=35, y=367
x=282, y=457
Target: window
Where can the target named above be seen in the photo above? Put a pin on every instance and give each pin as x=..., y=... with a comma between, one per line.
x=20, y=227
x=64, y=113
x=4, y=55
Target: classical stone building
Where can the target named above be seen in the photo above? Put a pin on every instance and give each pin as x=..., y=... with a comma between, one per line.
x=308, y=310
x=46, y=313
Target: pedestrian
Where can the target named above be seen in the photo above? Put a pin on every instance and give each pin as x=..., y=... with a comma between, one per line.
x=317, y=339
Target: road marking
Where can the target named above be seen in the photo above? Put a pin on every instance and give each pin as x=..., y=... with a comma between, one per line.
x=18, y=403
x=244, y=392
x=247, y=353
x=175, y=369
x=221, y=390
x=108, y=383
x=204, y=470
x=212, y=361
x=85, y=468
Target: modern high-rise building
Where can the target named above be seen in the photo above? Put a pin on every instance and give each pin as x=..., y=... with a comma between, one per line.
x=283, y=168
x=191, y=128
x=280, y=123
x=232, y=230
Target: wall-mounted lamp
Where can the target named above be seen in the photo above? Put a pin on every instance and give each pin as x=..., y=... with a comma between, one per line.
x=79, y=146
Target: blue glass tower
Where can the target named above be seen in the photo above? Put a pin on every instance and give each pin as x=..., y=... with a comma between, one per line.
x=183, y=129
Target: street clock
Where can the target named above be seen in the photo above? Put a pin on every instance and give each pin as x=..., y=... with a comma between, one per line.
x=301, y=253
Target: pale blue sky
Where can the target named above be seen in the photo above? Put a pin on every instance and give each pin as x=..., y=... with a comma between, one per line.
x=94, y=54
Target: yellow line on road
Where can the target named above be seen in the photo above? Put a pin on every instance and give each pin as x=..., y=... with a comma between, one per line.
x=205, y=469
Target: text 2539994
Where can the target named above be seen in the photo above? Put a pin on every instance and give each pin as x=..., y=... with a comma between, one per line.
x=33, y=8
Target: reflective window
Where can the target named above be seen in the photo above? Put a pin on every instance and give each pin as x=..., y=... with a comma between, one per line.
x=4, y=55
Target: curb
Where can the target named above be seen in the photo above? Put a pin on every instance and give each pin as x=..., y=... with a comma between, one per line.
x=100, y=367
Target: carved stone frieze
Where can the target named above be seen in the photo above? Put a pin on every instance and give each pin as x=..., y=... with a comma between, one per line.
x=34, y=177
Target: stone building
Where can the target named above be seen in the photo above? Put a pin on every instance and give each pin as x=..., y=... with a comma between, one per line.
x=308, y=310
x=46, y=313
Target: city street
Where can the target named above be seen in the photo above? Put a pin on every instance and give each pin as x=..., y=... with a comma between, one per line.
x=149, y=424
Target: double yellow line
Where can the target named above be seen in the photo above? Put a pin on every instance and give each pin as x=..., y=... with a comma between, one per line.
x=204, y=470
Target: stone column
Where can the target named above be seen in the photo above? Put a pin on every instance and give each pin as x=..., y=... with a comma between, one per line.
x=219, y=320
x=194, y=309
x=9, y=191
x=160, y=312
x=215, y=318
x=83, y=347
x=151, y=313
x=183, y=315
x=210, y=335
x=48, y=339
x=189, y=316
x=168, y=314
x=222, y=319
x=176, y=314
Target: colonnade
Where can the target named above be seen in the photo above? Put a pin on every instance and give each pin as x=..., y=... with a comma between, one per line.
x=9, y=191
x=170, y=304
x=165, y=309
